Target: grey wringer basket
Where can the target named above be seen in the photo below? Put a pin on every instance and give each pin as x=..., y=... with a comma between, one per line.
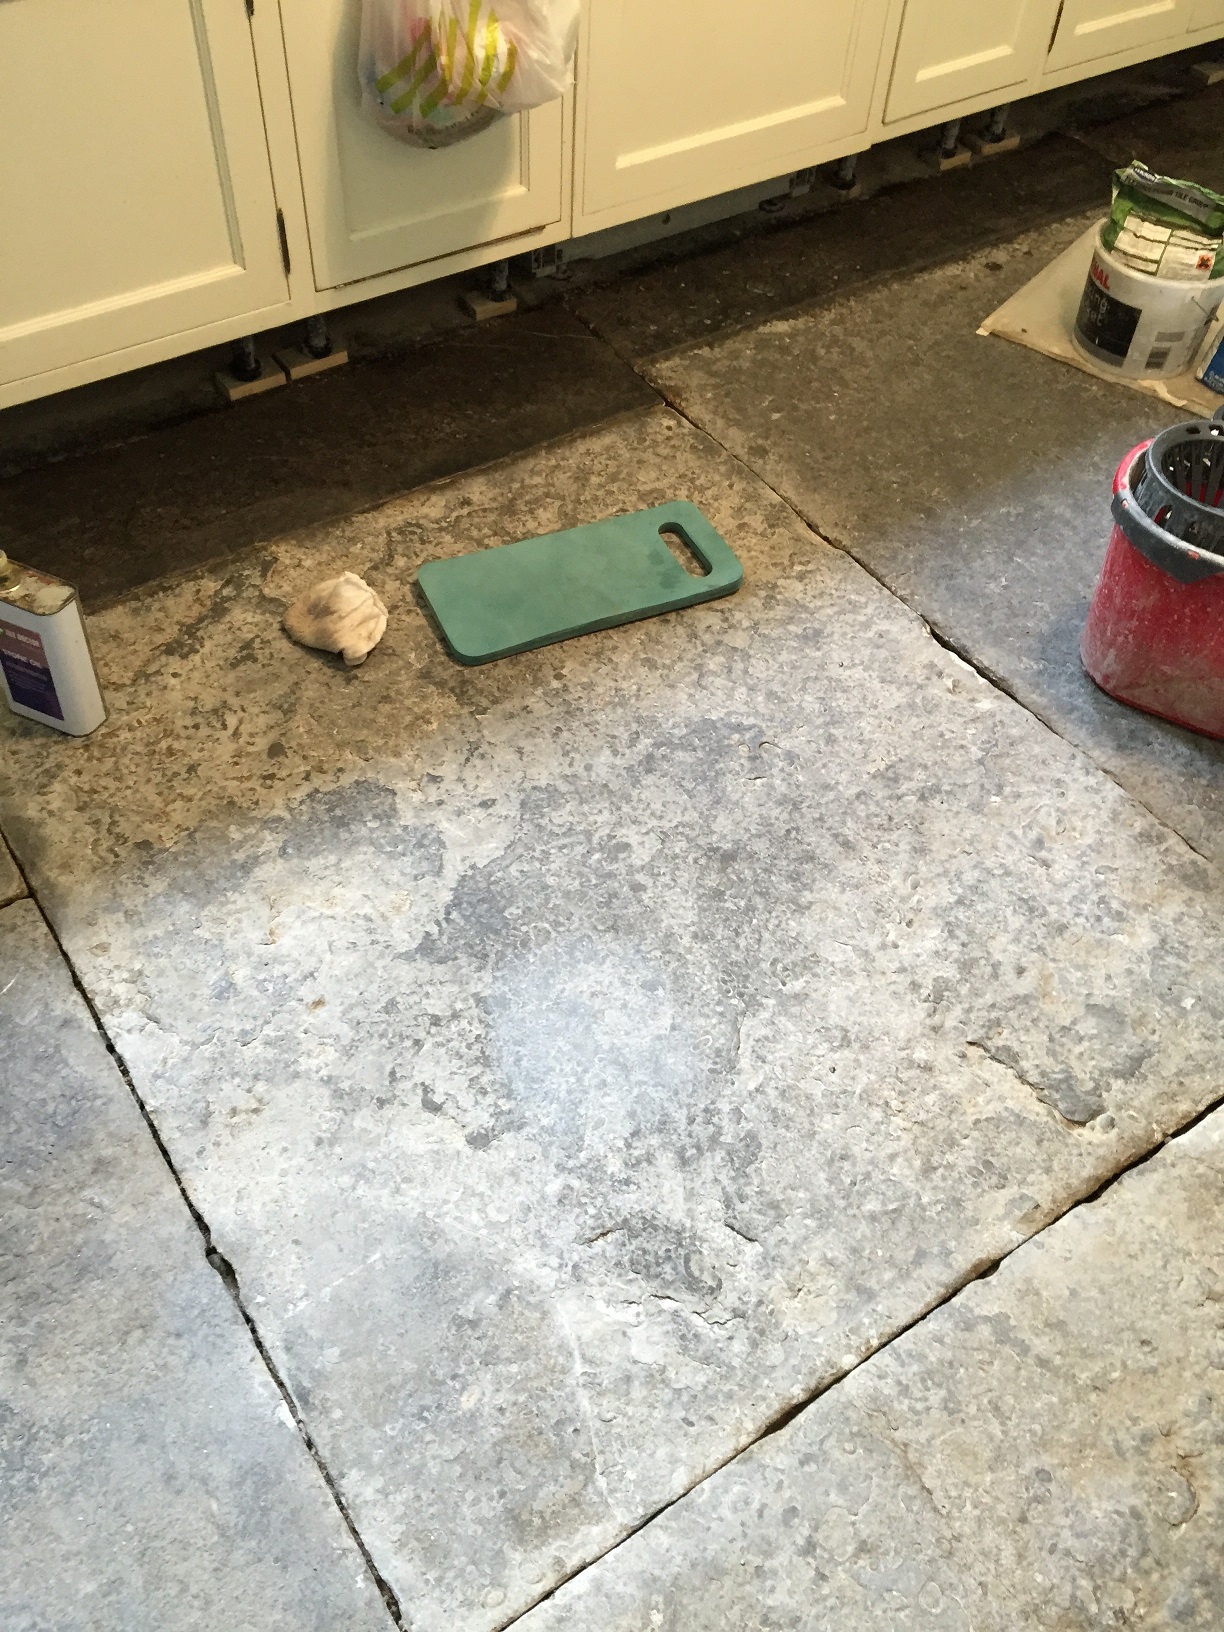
x=1171, y=507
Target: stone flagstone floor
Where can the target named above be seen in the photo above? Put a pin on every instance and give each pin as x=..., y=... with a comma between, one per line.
x=588, y=1098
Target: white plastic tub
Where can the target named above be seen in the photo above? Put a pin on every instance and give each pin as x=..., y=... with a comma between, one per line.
x=1139, y=325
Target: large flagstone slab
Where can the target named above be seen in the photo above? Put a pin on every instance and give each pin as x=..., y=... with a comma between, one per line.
x=1046, y=1451
x=151, y=1476
x=584, y=1058
x=971, y=476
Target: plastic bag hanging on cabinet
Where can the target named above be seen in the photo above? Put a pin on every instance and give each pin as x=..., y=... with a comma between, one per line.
x=435, y=71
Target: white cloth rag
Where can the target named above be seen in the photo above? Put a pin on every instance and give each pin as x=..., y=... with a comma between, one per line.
x=339, y=615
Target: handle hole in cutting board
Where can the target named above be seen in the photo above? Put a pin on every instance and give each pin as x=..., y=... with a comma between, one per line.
x=684, y=550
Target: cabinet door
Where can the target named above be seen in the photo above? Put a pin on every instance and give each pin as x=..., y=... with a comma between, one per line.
x=1207, y=14
x=374, y=204
x=135, y=189
x=1089, y=29
x=688, y=98
x=952, y=50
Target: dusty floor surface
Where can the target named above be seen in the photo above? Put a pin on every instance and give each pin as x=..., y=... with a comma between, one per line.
x=714, y=1124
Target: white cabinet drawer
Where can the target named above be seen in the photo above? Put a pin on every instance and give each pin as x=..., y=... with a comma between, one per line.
x=1090, y=29
x=683, y=99
x=951, y=51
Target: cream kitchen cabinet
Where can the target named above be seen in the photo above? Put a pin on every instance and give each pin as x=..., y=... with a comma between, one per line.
x=955, y=51
x=375, y=205
x=681, y=99
x=1089, y=30
x=176, y=173
x=136, y=197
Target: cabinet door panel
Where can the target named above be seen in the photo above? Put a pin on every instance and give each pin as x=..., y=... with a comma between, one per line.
x=951, y=50
x=135, y=188
x=687, y=99
x=1097, y=28
x=1207, y=14
x=375, y=204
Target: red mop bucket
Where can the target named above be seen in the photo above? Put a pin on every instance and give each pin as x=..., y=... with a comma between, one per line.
x=1155, y=631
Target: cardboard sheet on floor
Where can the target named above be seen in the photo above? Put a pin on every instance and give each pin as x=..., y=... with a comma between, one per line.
x=493, y=603
x=1042, y=315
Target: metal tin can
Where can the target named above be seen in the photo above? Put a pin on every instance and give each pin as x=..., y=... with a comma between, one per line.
x=46, y=666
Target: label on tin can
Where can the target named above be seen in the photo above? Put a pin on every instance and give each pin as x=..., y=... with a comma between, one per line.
x=24, y=661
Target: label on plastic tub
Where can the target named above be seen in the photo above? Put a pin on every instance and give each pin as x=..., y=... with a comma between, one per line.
x=1105, y=321
x=24, y=661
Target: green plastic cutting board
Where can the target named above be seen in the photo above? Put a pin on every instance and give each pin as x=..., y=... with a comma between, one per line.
x=510, y=599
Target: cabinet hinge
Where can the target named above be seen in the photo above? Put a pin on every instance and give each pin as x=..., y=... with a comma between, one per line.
x=250, y=5
x=1062, y=6
x=284, y=240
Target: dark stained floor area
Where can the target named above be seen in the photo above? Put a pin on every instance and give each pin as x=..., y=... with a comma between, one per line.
x=219, y=482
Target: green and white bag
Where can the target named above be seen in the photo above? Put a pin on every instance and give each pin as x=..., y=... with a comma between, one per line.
x=1164, y=227
x=435, y=71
